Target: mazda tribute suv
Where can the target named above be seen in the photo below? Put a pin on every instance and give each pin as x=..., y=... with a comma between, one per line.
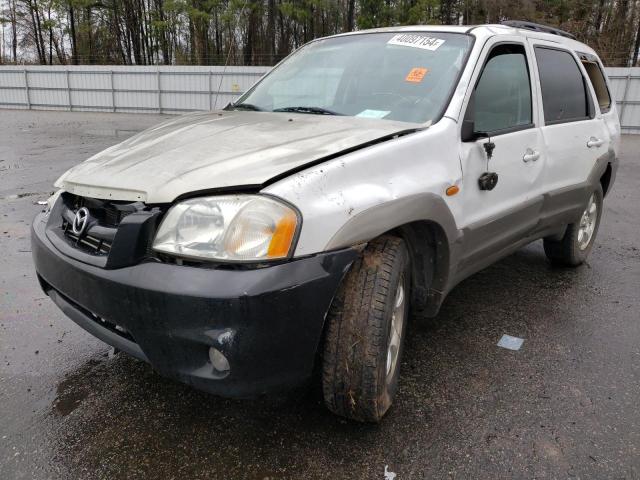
x=296, y=230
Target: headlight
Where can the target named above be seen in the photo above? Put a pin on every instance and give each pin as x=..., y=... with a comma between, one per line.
x=230, y=227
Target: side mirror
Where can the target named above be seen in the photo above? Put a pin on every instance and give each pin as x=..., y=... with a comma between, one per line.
x=468, y=123
x=468, y=133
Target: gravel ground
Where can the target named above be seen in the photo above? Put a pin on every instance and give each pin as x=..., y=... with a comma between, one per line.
x=565, y=405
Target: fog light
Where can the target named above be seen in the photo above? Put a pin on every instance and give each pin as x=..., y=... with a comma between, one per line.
x=218, y=360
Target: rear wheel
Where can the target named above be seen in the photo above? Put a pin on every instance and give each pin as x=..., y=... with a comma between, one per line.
x=576, y=244
x=365, y=332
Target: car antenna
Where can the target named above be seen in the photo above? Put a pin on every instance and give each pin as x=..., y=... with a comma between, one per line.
x=226, y=62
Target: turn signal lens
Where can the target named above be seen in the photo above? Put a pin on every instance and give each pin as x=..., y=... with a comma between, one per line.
x=283, y=236
x=452, y=190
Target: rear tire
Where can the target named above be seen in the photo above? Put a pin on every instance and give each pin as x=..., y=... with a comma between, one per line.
x=365, y=333
x=576, y=244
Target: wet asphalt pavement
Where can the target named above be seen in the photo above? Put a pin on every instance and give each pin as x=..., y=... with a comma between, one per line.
x=564, y=406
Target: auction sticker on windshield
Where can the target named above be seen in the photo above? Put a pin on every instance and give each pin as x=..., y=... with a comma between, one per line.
x=416, y=75
x=416, y=41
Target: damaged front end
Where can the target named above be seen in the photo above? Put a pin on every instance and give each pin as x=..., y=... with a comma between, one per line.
x=233, y=330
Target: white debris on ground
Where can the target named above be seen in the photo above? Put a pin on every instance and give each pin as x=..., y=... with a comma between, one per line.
x=510, y=343
x=387, y=474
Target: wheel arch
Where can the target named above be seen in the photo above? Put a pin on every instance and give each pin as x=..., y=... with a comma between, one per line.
x=605, y=179
x=429, y=250
x=425, y=222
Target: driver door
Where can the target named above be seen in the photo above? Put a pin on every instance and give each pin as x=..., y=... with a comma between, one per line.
x=502, y=109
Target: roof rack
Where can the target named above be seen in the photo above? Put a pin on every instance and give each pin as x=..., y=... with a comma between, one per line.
x=536, y=27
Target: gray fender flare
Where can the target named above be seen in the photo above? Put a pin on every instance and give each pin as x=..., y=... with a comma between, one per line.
x=381, y=218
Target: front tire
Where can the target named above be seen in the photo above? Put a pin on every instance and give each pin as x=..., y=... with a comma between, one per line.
x=576, y=244
x=365, y=332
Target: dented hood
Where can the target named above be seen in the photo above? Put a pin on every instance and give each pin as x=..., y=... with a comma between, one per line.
x=218, y=149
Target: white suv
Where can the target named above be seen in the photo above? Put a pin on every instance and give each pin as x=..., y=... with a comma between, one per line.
x=360, y=180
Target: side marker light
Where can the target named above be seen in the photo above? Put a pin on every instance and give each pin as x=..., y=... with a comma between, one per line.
x=452, y=190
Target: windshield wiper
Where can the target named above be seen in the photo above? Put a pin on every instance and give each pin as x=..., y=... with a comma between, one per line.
x=244, y=106
x=311, y=110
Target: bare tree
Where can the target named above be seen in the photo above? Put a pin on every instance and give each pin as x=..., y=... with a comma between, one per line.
x=204, y=31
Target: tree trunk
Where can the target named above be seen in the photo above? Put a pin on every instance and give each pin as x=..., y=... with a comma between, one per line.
x=59, y=51
x=91, y=53
x=39, y=37
x=636, y=46
x=36, y=33
x=598, y=17
x=351, y=10
x=14, y=31
x=74, y=40
x=271, y=32
x=164, y=44
x=50, y=35
x=249, y=41
x=121, y=44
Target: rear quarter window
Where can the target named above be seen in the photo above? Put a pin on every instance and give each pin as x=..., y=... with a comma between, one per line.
x=564, y=97
x=596, y=77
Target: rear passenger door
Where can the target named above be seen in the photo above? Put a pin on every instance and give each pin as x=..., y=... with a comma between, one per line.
x=574, y=134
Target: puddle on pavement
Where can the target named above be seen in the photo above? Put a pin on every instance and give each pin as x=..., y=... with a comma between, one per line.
x=69, y=397
x=109, y=132
x=15, y=196
x=73, y=390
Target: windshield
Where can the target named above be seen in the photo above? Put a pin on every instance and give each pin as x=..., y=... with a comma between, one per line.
x=392, y=76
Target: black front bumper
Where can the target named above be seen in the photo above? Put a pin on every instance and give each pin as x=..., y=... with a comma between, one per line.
x=267, y=321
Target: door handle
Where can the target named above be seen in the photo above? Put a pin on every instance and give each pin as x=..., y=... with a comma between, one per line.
x=530, y=156
x=594, y=142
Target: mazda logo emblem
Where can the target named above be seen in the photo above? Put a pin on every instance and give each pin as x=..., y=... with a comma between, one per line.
x=80, y=221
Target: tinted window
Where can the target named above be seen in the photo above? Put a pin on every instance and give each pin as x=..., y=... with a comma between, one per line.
x=503, y=93
x=563, y=94
x=599, y=84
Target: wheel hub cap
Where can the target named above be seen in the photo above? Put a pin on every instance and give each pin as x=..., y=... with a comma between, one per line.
x=587, y=224
x=397, y=324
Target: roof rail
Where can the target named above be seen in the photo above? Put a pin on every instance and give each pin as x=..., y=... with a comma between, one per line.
x=536, y=27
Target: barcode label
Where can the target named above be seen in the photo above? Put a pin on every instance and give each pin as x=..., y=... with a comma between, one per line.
x=416, y=41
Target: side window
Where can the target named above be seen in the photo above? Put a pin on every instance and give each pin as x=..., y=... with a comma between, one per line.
x=599, y=84
x=503, y=93
x=564, y=97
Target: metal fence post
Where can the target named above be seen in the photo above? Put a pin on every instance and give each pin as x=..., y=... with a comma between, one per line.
x=624, y=97
x=210, y=91
x=158, y=73
x=68, y=90
x=26, y=87
x=113, y=92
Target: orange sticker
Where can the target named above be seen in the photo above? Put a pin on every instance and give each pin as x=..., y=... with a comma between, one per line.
x=416, y=75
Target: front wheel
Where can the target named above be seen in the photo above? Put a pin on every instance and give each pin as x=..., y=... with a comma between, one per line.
x=365, y=332
x=574, y=248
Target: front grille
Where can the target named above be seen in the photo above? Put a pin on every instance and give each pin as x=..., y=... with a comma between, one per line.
x=88, y=243
x=97, y=243
x=105, y=219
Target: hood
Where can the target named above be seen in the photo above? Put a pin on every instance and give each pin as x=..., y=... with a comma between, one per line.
x=218, y=149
